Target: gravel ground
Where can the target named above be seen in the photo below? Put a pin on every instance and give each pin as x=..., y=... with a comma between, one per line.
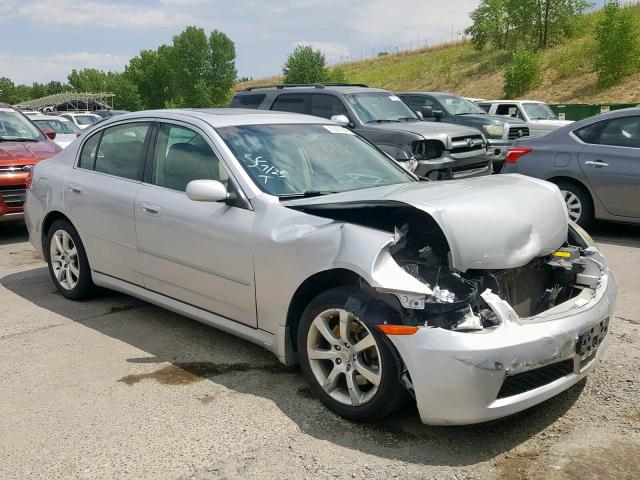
x=117, y=388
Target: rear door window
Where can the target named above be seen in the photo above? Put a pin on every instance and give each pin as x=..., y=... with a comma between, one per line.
x=122, y=150
x=292, y=102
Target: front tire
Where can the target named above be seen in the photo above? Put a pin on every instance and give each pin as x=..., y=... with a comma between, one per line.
x=68, y=263
x=346, y=360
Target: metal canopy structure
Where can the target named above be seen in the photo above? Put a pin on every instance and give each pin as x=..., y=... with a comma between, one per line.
x=70, y=101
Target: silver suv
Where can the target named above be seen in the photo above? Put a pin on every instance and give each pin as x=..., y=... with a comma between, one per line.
x=436, y=151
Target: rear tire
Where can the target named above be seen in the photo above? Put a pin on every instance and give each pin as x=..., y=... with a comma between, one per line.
x=578, y=202
x=68, y=264
x=347, y=361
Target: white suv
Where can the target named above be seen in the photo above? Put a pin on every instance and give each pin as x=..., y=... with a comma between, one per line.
x=539, y=117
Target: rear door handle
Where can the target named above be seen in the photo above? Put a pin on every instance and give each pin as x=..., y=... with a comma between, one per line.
x=150, y=209
x=75, y=188
x=596, y=163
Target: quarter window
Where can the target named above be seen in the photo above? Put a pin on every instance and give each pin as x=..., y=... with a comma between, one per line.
x=621, y=132
x=121, y=151
x=182, y=155
x=291, y=102
x=588, y=133
x=88, y=154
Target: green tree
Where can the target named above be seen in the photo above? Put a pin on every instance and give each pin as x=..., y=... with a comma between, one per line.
x=151, y=72
x=118, y=83
x=222, y=68
x=522, y=73
x=618, y=46
x=528, y=24
x=305, y=65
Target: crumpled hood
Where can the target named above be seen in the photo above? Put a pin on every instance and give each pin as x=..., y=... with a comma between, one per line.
x=26, y=153
x=427, y=129
x=495, y=222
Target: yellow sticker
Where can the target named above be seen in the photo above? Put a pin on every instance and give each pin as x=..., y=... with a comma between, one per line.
x=561, y=254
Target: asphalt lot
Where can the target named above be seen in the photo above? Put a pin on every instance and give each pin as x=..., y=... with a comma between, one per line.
x=116, y=388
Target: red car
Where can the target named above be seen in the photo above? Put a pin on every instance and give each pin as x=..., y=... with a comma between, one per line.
x=22, y=145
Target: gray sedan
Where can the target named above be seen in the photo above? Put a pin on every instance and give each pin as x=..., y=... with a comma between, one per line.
x=595, y=162
x=474, y=297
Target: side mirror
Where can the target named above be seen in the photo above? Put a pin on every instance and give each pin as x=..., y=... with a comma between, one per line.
x=49, y=133
x=420, y=115
x=426, y=112
x=207, y=191
x=342, y=120
x=438, y=114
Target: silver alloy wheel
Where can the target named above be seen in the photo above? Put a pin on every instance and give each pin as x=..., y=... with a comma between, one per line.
x=573, y=203
x=63, y=255
x=344, y=357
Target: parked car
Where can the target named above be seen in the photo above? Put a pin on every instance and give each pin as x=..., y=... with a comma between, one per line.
x=476, y=296
x=82, y=120
x=538, y=116
x=66, y=131
x=31, y=113
x=595, y=162
x=449, y=108
x=438, y=152
x=22, y=145
x=110, y=113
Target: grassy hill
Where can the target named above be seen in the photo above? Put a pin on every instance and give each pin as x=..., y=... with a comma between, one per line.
x=567, y=71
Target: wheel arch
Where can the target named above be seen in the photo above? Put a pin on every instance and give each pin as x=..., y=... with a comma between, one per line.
x=311, y=288
x=579, y=183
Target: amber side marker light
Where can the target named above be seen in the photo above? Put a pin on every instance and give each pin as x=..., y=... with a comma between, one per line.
x=397, y=329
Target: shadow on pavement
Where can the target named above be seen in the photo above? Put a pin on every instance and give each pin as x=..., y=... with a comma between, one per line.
x=13, y=232
x=616, y=234
x=200, y=353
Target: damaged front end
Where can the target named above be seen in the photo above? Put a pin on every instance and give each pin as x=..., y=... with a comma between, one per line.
x=490, y=341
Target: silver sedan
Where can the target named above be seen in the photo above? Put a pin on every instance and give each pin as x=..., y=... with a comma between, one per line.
x=476, y=298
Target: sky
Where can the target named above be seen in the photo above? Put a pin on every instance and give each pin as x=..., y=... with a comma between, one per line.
x=42, y=40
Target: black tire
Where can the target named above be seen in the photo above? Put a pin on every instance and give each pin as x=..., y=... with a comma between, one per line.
x=583, y=196
x=390, y=394
x=84, y=287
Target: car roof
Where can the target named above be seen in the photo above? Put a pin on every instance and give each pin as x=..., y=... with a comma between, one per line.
x=512, y=101
x=73, y=114
x=225, y=117
x=49, y=117
x=6, y=105
x=345, y=89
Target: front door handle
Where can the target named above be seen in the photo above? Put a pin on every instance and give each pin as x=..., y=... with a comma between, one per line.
x=596, y=163
x=150, y=209
x=75, y=188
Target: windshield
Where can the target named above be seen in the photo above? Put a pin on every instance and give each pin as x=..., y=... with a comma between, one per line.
x=374, y=107
x=460, y=106
x=14, y=126
x=85, y=119
x=539, y=111
x=298, y=160
x=59, y=126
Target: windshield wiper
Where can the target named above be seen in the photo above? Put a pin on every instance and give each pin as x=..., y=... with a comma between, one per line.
x=17, y=139
x=383, y=121
x=470, y=113
x=406, y=119
x=307, y=194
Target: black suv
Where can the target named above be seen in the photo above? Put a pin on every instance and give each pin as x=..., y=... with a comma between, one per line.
x=436, y=151
x=446, y=107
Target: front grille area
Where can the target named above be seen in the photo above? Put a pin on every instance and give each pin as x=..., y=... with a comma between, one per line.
x=473, y=166
x=13, y=196
x=469, y=143
x=524, y=287
x=518, y=132
x=532, y=379
x=428, y=149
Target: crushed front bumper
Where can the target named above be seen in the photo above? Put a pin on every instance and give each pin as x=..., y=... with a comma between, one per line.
x=457, y=377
